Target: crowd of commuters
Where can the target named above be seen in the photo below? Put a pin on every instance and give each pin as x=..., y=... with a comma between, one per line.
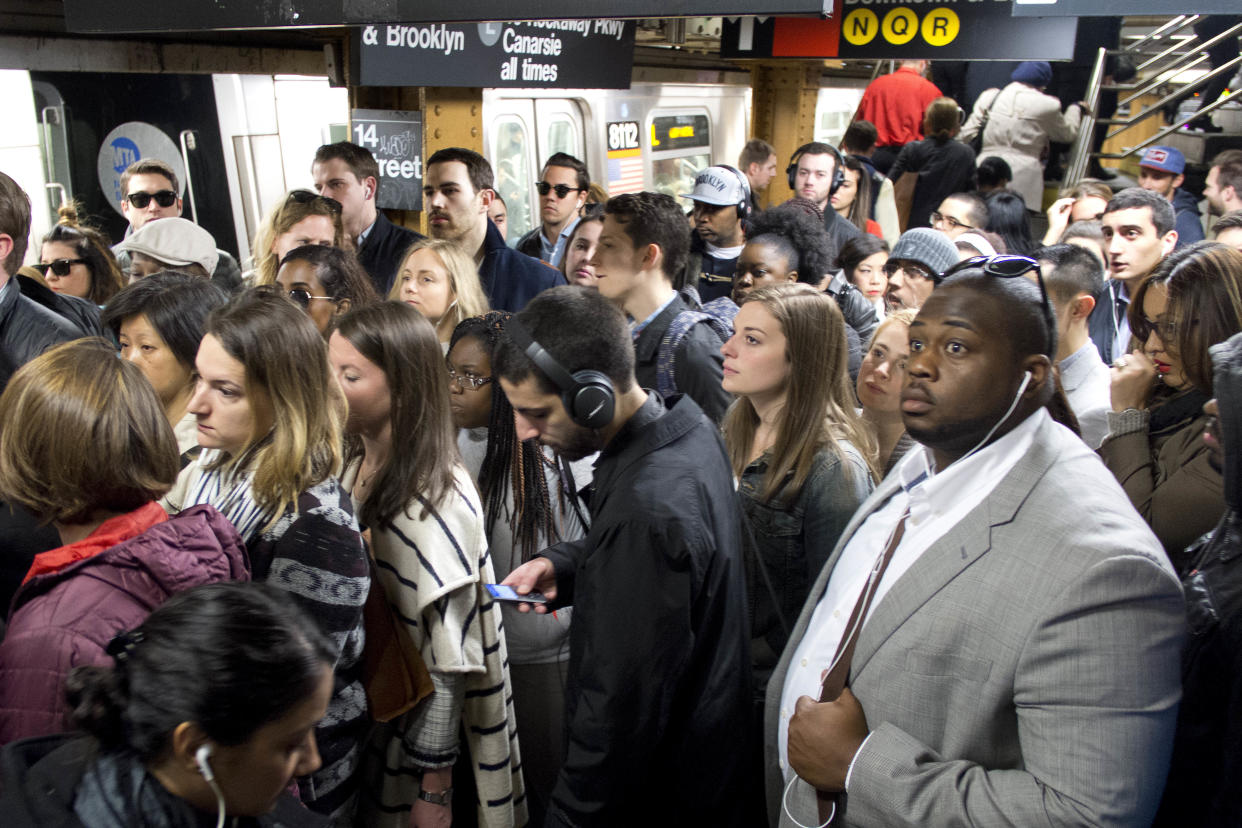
x=887, y=505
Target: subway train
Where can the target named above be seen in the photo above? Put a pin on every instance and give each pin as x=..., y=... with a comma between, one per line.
x=239, y=142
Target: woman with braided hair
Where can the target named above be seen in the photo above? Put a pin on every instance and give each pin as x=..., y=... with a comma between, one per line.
x=530, y=502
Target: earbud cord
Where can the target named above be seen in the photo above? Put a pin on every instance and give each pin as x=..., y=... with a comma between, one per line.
x=219, y=801
x=1026, y=380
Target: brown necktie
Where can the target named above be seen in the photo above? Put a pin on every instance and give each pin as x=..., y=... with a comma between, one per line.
x=839, y=675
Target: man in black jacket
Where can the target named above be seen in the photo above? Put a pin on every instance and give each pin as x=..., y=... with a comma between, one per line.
x=348, y=173
x=657, y=700
x=1207, y=750
x=32, y=318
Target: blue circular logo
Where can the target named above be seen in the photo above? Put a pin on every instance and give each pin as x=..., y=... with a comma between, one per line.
x=124, y=153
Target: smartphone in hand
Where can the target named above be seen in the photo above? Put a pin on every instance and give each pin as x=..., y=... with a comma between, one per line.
x=501, y=592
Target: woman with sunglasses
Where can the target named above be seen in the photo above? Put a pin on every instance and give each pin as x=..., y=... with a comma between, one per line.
x=204, y=712
x=803, y=457
x=326, y=282
x=530, y=502
x=270, y=420
x=439, y=280
x=159, y=322
x=1154, y=446
x=76, y=260
x=427, y=534
x=304, y=217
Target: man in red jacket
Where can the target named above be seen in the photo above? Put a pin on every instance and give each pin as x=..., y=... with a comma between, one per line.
x=895, y=103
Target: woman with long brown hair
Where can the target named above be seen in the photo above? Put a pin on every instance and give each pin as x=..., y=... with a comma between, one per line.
x=1154, y=446
x=76, y=260
x=270, y=418
x=427, y=533
x=804, y=459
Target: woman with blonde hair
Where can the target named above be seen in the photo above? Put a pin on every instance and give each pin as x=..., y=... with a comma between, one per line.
x=270, y=417
x=804, y=459
x=1154, y=446
x=429, y=537
x=439, y=280
x=880, y=378
x=86, y=447
x=304, y=217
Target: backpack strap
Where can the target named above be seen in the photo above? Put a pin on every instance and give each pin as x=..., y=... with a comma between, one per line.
x=666, y=380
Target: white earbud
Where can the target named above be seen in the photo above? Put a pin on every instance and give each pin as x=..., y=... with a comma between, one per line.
x=202, y=758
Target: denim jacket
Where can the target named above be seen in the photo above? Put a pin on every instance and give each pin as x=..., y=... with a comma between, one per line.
x=794, y=539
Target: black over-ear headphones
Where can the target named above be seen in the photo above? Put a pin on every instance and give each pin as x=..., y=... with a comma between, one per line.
x=838, y=171
x=743, y=204
x=588, y=395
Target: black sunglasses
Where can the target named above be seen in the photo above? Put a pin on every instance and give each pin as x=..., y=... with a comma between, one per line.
x=1008, y=266
x=303, y=297
x=561, y=190
x=59, y=267
x=309, y=197
x=164, y=198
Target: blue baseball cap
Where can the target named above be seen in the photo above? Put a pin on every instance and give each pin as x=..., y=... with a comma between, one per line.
x=1165, y=159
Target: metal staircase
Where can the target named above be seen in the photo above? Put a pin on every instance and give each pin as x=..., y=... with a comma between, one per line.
x=1160, y=55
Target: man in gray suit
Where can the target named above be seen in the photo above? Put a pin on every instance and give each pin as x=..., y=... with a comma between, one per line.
x=1018, y=664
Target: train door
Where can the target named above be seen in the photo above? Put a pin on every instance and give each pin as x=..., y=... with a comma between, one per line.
x=524, y=132
x=681, y=146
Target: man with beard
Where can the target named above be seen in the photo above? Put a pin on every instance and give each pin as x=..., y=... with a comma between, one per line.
x=658, y=689
x=971, y=649
x=457, y=190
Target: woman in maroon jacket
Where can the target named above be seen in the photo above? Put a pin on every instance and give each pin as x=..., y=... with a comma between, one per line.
x=85, y=446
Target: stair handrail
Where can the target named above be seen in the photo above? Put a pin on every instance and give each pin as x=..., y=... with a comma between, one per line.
x=1230, y=66
x=1178, y=124
x=1080, y=151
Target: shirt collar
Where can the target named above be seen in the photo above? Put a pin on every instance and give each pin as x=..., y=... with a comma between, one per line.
x=1069, y=362
x=933, y=492
x=362, y=237
x=638, y=327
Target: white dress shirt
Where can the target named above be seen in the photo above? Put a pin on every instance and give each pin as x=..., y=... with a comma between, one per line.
x=937, y=502
x=1088, y=387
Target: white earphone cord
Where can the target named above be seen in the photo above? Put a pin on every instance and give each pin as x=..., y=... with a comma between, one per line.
x=1026, y=380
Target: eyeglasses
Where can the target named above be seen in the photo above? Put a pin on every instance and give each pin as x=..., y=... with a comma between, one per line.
x=303, y=297
x=561, y=190
x=164, y=198
x=1166, y=329
x=59, y=267
x=311, y=197
x=937, y=217
x=891, y=268
x=466, y=381
x=1009, y=267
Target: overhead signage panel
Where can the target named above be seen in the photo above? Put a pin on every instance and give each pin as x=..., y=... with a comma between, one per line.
x=395, y=138
x=893, y=29
x=191, y=15
x=1111, y=8
x=553, y=54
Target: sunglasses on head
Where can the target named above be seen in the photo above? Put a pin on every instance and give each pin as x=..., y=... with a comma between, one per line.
x=59, y=267
x=1008, y=266
x=310, y=197
x=561, y=190
x=164, y=198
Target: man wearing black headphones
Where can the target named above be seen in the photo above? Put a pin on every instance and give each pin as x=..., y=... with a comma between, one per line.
x=815, y=173
x=657, y=698
x=721, y=199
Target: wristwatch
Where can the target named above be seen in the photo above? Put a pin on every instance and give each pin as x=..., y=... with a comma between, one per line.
x=444, y=798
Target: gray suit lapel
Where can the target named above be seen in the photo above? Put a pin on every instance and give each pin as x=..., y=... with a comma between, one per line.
x=964, y=544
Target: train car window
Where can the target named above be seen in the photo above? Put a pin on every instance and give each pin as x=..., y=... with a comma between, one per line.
x=681, y=146
x=514, y=177
x=563, y=137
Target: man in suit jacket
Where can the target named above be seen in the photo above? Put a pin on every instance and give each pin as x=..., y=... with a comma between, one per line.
x=1019, y=665
x=349, y=173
